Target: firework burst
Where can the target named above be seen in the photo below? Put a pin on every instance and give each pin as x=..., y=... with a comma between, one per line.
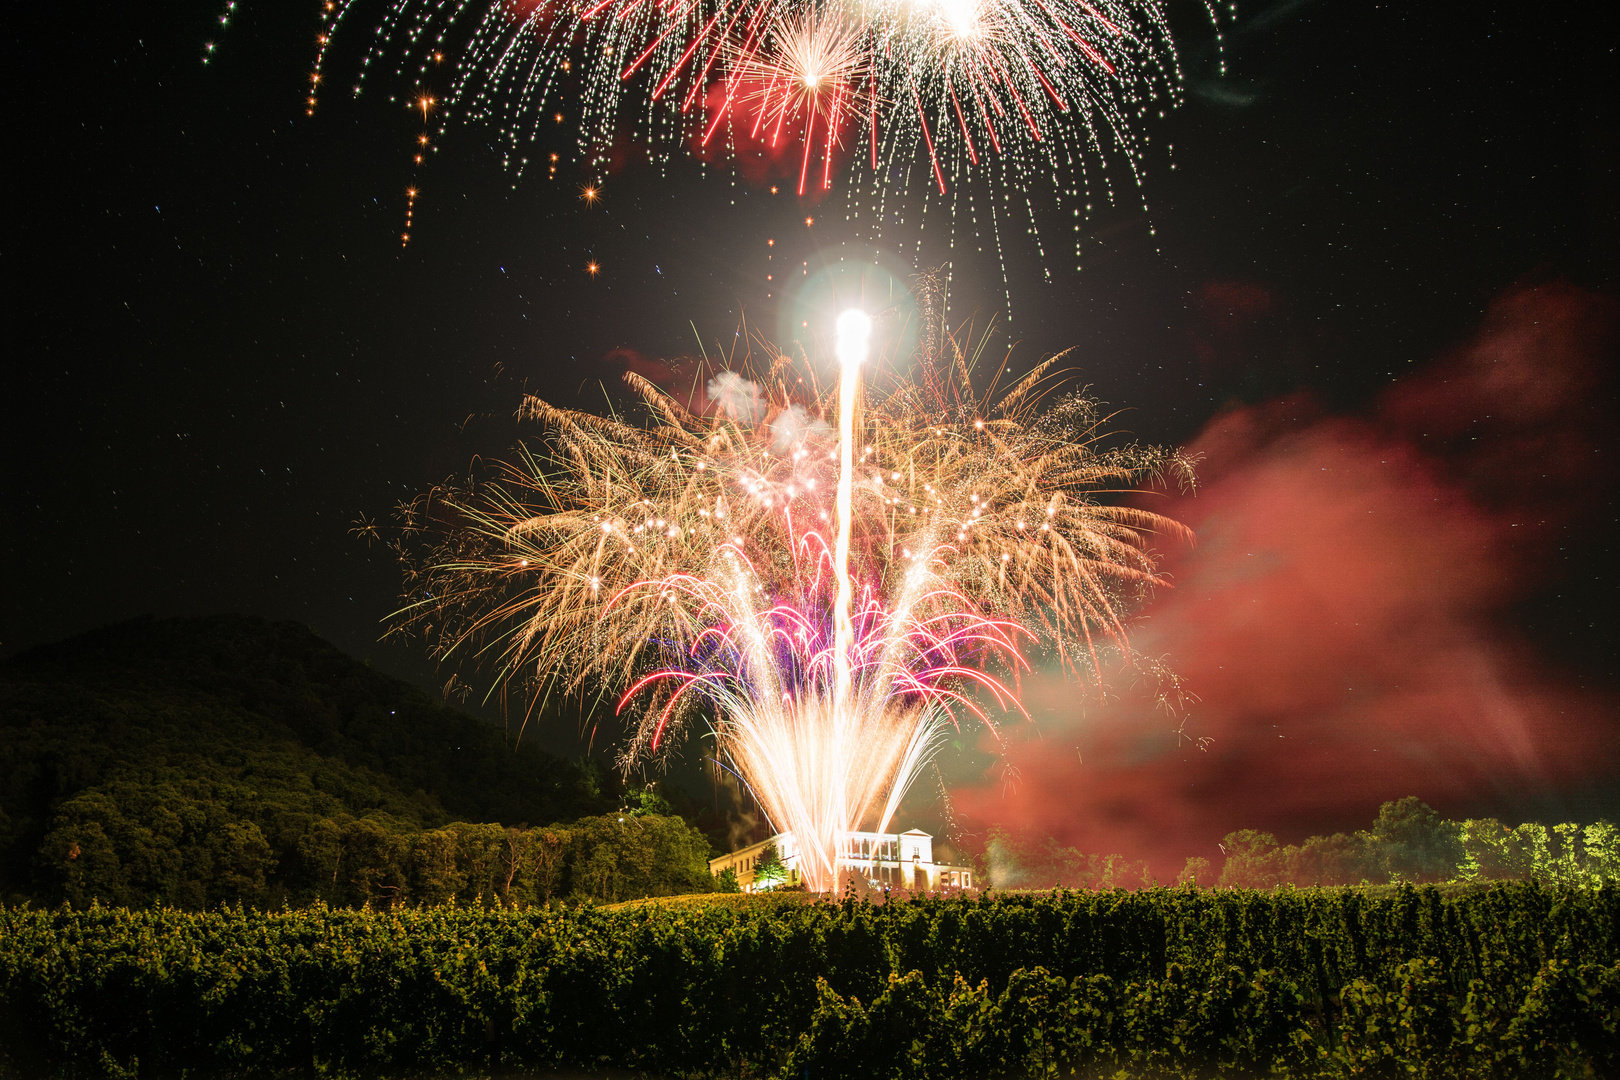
x=1004, y=90
x=812, y=74
x=828, y=606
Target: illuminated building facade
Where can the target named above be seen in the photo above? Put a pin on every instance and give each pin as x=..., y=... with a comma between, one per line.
x=886, y=860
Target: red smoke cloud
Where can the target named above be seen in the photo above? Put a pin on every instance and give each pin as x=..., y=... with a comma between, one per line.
x=1342, y=618
x=664, y=373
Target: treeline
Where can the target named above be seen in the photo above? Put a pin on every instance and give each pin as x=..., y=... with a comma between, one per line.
x=351, y=862
x=1408, y=841
x=1513, y=980
x=191, y=763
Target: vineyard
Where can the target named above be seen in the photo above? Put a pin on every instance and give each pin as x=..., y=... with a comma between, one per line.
x=1513, y=980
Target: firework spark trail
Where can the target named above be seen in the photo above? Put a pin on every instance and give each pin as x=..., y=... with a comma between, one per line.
x=828, y=604
x=1072, y=76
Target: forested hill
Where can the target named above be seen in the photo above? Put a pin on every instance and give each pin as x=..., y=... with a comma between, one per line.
x=196, y=754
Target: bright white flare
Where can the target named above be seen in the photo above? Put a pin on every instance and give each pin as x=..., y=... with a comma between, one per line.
x=854, y=336
x=962, y=16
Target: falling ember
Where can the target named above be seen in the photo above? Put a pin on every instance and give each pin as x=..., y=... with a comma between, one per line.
x=691, y=561
x=410, y=211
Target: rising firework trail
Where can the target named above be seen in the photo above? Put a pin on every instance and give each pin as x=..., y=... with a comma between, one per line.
x=854, y=332
x=828, y=601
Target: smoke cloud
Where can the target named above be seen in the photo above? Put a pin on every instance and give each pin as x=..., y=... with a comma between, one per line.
x=792, y=425
x=738, y=398
x=1350, y=619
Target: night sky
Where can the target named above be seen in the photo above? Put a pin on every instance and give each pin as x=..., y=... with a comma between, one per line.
x=222, y=355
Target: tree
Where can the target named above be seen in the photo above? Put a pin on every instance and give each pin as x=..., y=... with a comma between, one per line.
x=546, y=860
x=647, y=800
x=1253, y=860
x=1339, y=859
x=83, y=864
x=320, y=857
x=1196, y=872
x=1115, y=872
x=513, y=848
x=768, y=869
x=373, y=863
x=618, y=857
x=242, y=862
x=1413, y=843
x=1602, y=842
x=1026, y=860
x=434, y=875
x=681, y=857
x=1490, y=851
x=479, y=860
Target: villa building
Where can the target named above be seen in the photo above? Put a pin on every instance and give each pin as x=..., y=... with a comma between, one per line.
x=887, y=860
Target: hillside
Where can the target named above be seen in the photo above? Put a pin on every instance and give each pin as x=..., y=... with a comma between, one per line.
x=189, y=761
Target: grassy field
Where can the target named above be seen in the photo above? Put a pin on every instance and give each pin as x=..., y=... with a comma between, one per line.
x=768, y=901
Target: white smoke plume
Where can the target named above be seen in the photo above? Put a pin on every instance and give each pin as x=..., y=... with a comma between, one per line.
x=792, y=425
x=738, y=398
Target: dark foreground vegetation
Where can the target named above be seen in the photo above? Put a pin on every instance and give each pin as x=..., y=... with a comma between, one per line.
x=1515, y=980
